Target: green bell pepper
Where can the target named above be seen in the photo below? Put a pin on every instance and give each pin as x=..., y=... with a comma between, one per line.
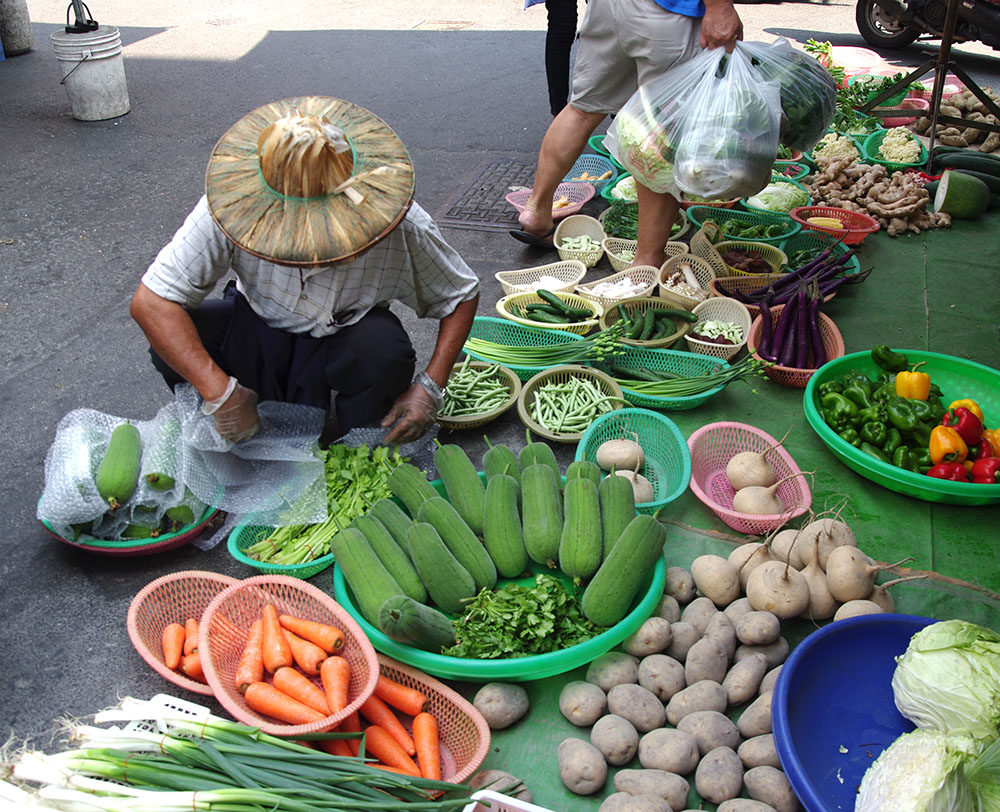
x=901, y=414
x=884, y=392
x=921, y=458
x=902, y=458
x=893, y=440
x=874, y=451
x=928, y=412
x=888, y=359
x=838, y=411
x=827, y=387
x=850, y=435
x=860, y=391
x=874, y=433
x=875, y=413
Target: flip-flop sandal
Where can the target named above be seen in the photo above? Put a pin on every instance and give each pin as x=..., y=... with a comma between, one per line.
x=531, y=239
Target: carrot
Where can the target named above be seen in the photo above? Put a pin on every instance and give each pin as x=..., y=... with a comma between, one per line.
x=268, y=700
x=401, y=697
x=276, y=650
x=336, y=747
x=251, y=666
x=191, y=665
x=386, y=749
x=327, y=637
x=172, y=642
x=388, y=769
x=190, y=635
x=335, y=674
x=306, y=655
x=352, y=724
x=378, y=713
x=425, y=737
x=293, y=682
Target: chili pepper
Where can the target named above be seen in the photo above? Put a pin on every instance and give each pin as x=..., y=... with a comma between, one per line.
x=888, y=359
x=893, y=440
x=838, y=410
x=901, y=414
x=850, y=435
x=947, y=445
x=860, y=391
x=874, y=451
x=986, y=471
x=902, y=458
x=827, y=387
x=969, y=404
x=965, y=422
x=953, y=471
x=874, y=433
x=913, y=385
x=884, y=392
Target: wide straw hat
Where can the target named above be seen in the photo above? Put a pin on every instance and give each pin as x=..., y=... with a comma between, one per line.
x=309, y=180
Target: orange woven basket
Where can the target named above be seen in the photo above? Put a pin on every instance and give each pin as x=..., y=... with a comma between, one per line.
x=833, y=345
x=463, y=732
x=226, y=624
x=171, y=599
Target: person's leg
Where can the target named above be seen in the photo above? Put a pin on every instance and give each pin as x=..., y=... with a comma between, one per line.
x=559, y=36
x=657, y=213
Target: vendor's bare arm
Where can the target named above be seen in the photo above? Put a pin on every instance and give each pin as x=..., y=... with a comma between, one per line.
x=452, y=332
x=172, y=335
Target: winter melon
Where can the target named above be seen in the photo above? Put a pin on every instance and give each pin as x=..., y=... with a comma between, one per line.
x=962, y=196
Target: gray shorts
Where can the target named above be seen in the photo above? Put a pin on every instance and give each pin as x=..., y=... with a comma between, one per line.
x=625, y=43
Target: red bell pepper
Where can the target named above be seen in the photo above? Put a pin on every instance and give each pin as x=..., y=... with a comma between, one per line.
x=965, y=422
x=986, y=471
x=953, y=471
x=983, y=450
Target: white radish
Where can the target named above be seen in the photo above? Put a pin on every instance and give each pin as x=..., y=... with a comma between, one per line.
x=822, y=604
x=831, y=532
x=856, y=608
x=747, y=557
x=716, y=579
x=880, y=593
x=642, y=488
x=850, y=574
x=777, y=588
x=752, y=468
x=620, y=454
x=760, y=501
x=782, y=546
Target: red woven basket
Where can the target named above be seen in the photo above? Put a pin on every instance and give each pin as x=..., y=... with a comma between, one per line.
x=463, y=732
x=713, y=445
x=226, y=624
x=833, y=344
x=857, y=226
x=171, y=599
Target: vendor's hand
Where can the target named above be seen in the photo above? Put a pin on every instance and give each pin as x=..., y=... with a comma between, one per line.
x=721, y=26
x=415, y=410
x=236, y=416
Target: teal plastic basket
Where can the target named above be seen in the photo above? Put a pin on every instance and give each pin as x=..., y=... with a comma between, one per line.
x=668, y=460
x=245, y=535
x=594, y=166
x=808, y=240
x=870, y=153
x=509, y=333
x=775, y=214
x=596, y=143
x=797, y=170
x=699, y=214
x=686, y=364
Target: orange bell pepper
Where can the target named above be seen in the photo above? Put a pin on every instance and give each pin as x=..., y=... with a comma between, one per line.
x=992, y=436
x=947, y=445
x=969, y=404
x=913, y=385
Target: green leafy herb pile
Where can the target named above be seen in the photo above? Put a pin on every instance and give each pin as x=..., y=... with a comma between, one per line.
x=517, y=621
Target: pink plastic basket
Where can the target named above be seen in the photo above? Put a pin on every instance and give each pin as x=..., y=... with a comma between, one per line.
x=713, y=445
x=576, y=193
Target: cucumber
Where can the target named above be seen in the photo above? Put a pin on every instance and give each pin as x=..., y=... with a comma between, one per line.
x=460, y=540
x=502, y=532
x=118, y=473
x=369, y=580
x=610, y=593
x=976, y=161
x=392, y=556
x=408, y=621
x=617, y=499
x=465, y=489
x=448, y=582
x=410, y=486
x=584, y=468
x=542, y=513
x=580, y=545
x=394, y=519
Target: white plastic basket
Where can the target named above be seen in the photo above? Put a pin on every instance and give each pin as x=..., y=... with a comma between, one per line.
x=486, y=800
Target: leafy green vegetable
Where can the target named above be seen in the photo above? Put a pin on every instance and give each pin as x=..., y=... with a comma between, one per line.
x=779, y=196
x=622, y=220
x=517, y=621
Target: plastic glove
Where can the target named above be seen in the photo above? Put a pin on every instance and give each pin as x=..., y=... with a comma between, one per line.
x=235, y=412
x=416, y=409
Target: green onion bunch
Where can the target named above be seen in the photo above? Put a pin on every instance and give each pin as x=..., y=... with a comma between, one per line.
x=676, y=387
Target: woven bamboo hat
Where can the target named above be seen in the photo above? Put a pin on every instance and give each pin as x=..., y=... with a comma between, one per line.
x=308, y=181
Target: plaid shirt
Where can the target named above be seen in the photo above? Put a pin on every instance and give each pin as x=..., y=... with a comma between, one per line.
x=413, y=264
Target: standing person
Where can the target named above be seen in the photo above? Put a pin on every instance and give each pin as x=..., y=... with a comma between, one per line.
x=560, y=32
x=309, y=202
x=622, y=44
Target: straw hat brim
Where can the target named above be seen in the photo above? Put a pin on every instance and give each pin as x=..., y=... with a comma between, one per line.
x=309, y=231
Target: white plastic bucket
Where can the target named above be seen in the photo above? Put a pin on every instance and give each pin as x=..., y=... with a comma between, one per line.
x=93, y=72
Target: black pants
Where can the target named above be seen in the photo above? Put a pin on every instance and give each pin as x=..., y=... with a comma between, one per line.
x=559, y=36
x=355, y=374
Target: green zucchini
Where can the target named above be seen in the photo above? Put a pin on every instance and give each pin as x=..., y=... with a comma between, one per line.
x=118, y=472
x=674, y=313
x=538, y=451
x=564, y=307
x=608, y=596
x=410, y=486
x=584, y=468
x=976, y=161
x=465, y=489
x=617, y=500
x=369, y=580
x=502, y=532
x=580, y=545
x=392, y=556
x=460, y=540
x=408, y=621
x=542, y=521
x=448, y=582
x=394, y=519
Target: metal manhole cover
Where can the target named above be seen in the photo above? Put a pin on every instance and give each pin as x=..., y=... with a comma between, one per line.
x=480, y=203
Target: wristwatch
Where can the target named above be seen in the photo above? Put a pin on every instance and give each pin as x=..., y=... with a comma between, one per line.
x=436, y=391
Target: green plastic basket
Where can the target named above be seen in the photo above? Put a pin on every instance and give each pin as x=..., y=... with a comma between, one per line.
x=798, y=170
x=699, y=214
x=609, y=187
x=806, y=240
x=774, y=214
x=510, y=333
x=957, y=377
x=688, y=364
x=245, y=535
x=594, y=165
x=596, y=143
x=870, y=153
x=668, y=460
x=892, y=101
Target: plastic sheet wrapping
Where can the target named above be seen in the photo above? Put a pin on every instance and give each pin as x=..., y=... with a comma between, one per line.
x=707, y=127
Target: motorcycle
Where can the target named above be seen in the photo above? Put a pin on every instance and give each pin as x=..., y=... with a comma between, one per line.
x=897, y=23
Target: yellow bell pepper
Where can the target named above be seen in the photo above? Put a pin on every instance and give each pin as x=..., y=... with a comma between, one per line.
x=969, y=404
x=947, y=445
x=913, y=385
x=993, y=436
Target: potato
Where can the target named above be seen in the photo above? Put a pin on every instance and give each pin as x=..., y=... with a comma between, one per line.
x=662, y=675
x=756, y=719
x=637, y=704
x=613, y=668
x=680, y=585
x=699, y=612
x=623, y=802
x=771, y=677
x=683, y=636
x=668, y=608
x=669, y=750
x=770, y=786
x=716, y=579
x=758, y=628
x=582, y=703
x=616, y=738
x=775, y=652
x=706, y=659
x=721, y=628
x=710, y=729
x=759, y=752
x=501, y=781
x=651, y=637
x=701, y=696
x=737, y=609
x=582, y=767
x=743, y=805
x=667, y=785
x=719, y=776
x=743, y=679
x=501, y=703
x=616, y=802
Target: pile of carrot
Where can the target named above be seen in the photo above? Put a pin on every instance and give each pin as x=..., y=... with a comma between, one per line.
x=180, y=649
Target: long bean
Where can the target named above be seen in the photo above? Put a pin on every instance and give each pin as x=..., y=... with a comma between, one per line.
x=570, y=405
x=474, y=391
